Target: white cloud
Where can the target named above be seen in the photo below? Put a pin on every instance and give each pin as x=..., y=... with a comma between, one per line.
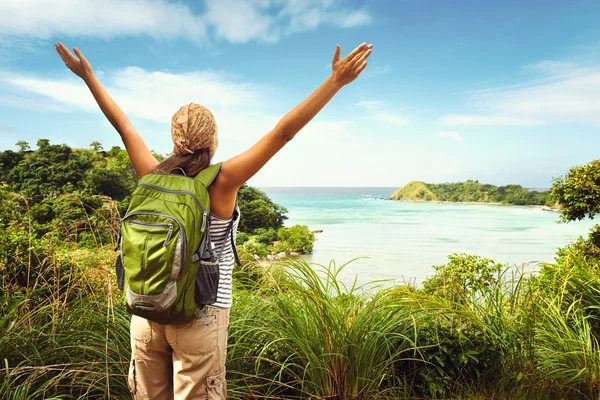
x=243, y=111
x=237, y=21
x=450, y=135
x=308, y=14
x=459, y=120
x=375, y=70
x=378, y=111
x=371, y=104
x=391, y=118
x=45, y=19
x=565, y=94
x=152, y=96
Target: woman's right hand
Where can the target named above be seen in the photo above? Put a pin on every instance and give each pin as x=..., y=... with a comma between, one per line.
x=80, y=67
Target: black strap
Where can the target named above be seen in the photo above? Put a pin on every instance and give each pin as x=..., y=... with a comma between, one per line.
x=206, y=245
x=235, y=253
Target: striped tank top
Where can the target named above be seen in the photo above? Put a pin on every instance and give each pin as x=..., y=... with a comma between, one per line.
x=221, y=237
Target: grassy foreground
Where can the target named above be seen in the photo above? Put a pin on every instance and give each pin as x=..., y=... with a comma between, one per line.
x=475, y=330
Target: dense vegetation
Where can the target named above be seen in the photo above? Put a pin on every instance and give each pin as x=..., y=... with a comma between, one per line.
x=475, y=329
x=471, y=191
x=72, y=188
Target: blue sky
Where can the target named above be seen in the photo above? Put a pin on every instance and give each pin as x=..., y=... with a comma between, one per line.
x=499, y=91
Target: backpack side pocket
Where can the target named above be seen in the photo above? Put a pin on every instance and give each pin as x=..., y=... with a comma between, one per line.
x=207, y=282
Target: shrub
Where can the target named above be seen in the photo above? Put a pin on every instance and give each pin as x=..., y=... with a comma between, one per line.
x=256, y=248
x=241, y=238
x=464, y=277
x=266, y=236
x=298, y=238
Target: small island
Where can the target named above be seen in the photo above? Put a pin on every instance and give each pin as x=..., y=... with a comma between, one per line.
x=472, y=192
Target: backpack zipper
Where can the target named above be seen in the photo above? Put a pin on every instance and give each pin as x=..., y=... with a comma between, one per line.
x=153, y=225
x=160, y=189
x=182, y=230
x=204, y=219
x=168, y=238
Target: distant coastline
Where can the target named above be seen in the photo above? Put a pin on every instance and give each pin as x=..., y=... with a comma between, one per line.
x=473, y=192
x=481, y=203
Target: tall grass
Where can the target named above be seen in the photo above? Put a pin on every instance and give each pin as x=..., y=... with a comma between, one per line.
x=68, y=339
x=297, y=332
x=314, y=338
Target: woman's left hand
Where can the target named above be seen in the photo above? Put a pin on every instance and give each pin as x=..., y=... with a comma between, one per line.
x=346, y=70
x=80, y=67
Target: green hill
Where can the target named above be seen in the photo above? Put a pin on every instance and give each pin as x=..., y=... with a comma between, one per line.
x=471, y=192
x=414, y=191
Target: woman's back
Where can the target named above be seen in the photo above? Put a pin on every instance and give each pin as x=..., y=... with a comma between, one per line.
x=223, y=239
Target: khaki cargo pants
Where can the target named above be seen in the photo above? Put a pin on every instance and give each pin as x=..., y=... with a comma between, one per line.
x=179, y=361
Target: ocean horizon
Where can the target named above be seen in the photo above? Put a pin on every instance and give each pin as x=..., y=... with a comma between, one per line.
x=400, y=241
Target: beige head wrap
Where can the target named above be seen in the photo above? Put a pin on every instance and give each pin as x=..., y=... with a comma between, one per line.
x=193, y=127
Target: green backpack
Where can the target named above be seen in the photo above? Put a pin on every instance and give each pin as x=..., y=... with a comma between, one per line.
x=166, y=262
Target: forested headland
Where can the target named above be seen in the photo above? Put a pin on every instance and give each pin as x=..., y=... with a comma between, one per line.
x=472, y=192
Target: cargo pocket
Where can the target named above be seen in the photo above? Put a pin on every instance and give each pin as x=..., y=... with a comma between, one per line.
x=140, y=330
x=131, y=378
x=207, y=283
x=216, y=387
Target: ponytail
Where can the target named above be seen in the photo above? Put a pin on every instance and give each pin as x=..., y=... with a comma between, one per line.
x=191, y=163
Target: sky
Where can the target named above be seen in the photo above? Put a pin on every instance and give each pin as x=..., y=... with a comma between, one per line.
x=504, y=92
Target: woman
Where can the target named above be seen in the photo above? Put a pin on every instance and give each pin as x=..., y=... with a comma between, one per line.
x=188, y=361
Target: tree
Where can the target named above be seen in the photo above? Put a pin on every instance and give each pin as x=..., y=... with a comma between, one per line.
x=23, y=146
x=41, y=143
x=96, y=146
x=462, y=277
x=258, y=211
x=8, y=160
x=578, y=193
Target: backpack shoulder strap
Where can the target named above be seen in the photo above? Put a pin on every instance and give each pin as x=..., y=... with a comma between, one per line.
x=208, y=174
x=236, y=214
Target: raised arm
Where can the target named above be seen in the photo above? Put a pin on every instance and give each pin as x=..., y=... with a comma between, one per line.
x=141, y=158
x=237, y=170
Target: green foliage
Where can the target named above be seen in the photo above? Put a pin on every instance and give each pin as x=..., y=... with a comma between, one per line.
x=50, y=171
x=45, y=175
x=266, y=236
x=298, y=333
x=256, y=248
x=41, y=143
x=297, y=238
x=470, y=191
x=475, y=330
x=258, y=211
x=414, y=191
x=464, y=277
x=578, y=192
x=241, y=238
x=311, y=337
x=63, y=340
x=96, y=146
x=23, y=146
x=8, y=160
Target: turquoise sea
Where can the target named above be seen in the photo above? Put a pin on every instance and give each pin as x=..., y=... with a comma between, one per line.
x=402, y=240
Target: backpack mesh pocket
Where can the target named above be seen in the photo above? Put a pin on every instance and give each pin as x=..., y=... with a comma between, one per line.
x=207, y=282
